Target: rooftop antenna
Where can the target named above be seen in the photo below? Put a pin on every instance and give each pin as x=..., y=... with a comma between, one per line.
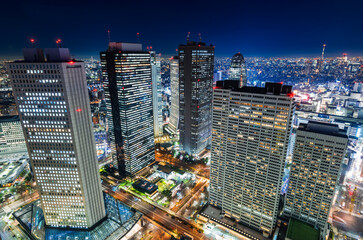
x=138, y=37
x=188, y=36
x=109, y=36
x=58, y=42
x=322, y=53
x=200, y=37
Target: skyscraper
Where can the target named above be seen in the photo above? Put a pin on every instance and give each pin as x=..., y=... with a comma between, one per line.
x=157, y=98
x=126, y=72
x=53, y=104
x=238, y=69
x=250, y=136
x=196, y=63
x=316, y=163
x=173, y=126
x=12, y=140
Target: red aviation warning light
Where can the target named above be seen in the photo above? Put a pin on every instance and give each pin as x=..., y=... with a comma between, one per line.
x=58, y=42
x=291, y=95
x=79, y=110
x=32, y=40
x=71, y=62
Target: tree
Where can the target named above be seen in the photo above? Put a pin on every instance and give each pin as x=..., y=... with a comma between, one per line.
x=166, y=193
x=28, y=177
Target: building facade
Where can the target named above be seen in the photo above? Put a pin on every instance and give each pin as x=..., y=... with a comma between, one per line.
x=196, y=63
x=12, y=140
x=157, y=94
x=250, y=136
x=54, y=110
x=126, y=72
x=316, y=163
x=173, y=126
x=238, y=69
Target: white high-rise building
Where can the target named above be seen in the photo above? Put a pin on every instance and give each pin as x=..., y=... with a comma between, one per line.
x=316, y=163
x=173, y=125
x=12, y=142
x=54, y=109
x=157, y=94
x=250, y=137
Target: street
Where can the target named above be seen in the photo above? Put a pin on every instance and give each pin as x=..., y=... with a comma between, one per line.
x=173, y=224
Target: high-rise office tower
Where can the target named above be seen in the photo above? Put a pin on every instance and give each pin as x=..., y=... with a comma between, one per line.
x=54, y=109
x=217, y=76
x=157, y=94
x=12, y=140
x=250, y=136
x=238, y=69
x=173, y=126
x=316, y=163
x=196, y=63
x=126, y=72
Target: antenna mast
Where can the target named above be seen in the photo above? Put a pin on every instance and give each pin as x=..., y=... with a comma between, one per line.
x=200, y=37
x=322, y=53
x=138, y=37
x=188, y=36
x=109, y=36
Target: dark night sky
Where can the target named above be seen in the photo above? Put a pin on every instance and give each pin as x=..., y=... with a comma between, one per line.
x=253, y=27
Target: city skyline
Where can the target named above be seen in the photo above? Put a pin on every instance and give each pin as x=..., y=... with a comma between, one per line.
x=197, y=120
x=264, y=29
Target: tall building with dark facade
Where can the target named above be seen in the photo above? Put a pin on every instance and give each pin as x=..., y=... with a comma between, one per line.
x=54, y=108
x=316, y=165
x=126, y=72
x=196, y=63
x=250, y=137
x=238, y=69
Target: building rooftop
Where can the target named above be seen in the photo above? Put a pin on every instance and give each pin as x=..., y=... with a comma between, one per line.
x=48, y=55
x=125, y=47
x=270, y=88
x=214, y=214
x=145, y=186
x=12, y=118
x=195, y=44
x=323, y=128
x=298, y=230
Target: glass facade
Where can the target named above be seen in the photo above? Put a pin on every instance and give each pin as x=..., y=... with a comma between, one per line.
x=120, y=220
x=196, y=64
x=128, y=91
